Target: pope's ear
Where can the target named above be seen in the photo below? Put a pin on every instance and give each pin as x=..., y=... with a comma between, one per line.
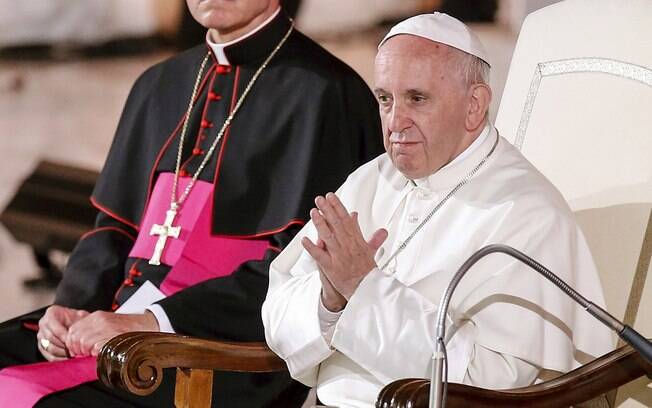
x=479, y=100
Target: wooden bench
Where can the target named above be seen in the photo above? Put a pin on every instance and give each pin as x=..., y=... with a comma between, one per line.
x=51, y=211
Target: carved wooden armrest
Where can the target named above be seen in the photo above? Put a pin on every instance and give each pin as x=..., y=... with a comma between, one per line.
x=582, y=384
x=135, y=361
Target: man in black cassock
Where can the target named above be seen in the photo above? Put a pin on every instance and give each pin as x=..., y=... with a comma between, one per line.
x=306, y=121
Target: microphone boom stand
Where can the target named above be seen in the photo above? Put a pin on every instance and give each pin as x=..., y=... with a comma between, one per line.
x=629, y=335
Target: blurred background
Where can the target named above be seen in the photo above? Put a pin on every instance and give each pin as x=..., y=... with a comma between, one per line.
x=66, y=67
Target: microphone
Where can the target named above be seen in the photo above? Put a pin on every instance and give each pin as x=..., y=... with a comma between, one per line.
x=437, y=385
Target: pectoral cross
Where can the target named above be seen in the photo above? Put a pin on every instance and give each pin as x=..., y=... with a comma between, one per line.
x=164, y=231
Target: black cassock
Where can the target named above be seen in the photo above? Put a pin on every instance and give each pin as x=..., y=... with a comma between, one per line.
x=308, y=122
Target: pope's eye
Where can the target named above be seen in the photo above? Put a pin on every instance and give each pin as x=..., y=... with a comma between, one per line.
x=383, y=98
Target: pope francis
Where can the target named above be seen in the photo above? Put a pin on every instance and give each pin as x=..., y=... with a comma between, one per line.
x=352, y=301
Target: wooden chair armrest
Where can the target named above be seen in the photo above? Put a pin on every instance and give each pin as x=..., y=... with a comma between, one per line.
x=582, y=384
x=135, y=361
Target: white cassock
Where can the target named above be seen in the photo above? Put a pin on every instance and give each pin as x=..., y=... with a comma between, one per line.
x=507, y=327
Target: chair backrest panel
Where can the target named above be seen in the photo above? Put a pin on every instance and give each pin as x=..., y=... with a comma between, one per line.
x=616, y=235
x=578, y=103
x=579, y=96
x=588, y=134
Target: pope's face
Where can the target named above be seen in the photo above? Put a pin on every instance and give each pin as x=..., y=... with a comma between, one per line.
x=227, y=16
x=422, y=102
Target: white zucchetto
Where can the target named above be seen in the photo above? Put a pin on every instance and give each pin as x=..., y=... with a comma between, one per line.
x=441, y=28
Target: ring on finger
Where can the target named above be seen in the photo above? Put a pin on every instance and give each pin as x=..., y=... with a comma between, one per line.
x=45, y=343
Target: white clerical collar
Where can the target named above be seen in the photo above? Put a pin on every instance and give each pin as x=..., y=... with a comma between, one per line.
x=479, y=141
x=472, y=147
x=218, y=48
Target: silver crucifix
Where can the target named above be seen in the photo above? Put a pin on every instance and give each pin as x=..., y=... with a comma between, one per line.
x=164, y=231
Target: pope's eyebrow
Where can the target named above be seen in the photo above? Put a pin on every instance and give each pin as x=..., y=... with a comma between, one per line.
x=412, y=92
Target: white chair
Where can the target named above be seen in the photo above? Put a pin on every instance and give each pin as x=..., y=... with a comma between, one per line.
x=578, y=103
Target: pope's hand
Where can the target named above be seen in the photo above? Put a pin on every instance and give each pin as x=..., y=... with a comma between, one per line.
x=343, y=255
x=87, y=336
x=53, y=329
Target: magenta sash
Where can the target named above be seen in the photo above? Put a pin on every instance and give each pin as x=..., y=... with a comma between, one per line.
x=195, y=257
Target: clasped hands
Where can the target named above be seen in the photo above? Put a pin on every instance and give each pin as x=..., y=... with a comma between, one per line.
x=65, y=332
x=343, y=255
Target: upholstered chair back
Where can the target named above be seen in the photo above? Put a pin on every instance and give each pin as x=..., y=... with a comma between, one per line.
x=578, y=104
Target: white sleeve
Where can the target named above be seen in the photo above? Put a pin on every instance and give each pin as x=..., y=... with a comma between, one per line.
x=161, y=317
x=327, y=321
x=291, y=312
x=387, y=328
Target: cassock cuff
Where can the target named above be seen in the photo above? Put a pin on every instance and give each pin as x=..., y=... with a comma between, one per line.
x=327, y=321
x=163, y=321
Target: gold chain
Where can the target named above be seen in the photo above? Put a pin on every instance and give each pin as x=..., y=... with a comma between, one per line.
x=175, y=203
